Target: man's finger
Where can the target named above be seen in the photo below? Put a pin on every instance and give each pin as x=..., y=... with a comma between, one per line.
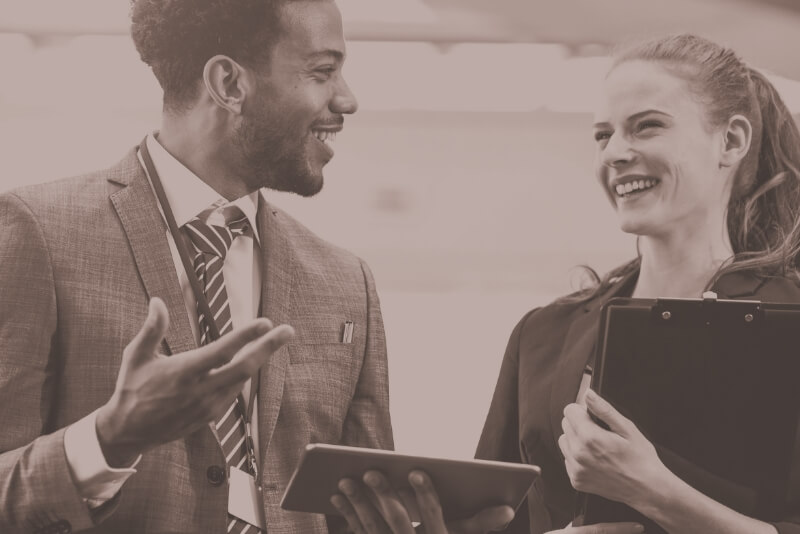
x=220, y=352
x=487, y=520
x=389, y=502
x=348, y=512
x=144, y=345
x=602, y=409
x=430, y=509
x=368, y=515
x=251, y=357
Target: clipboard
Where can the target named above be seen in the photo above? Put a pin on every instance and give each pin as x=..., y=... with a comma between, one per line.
x=715, y=386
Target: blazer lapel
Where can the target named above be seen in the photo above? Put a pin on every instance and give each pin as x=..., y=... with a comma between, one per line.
x=277, y=266
x=145, y=229
x=578, y=350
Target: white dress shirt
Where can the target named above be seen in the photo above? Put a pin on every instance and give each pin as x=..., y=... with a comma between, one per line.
x=188, y=196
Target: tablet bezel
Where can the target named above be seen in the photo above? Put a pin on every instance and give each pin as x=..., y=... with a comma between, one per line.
x=464, y=486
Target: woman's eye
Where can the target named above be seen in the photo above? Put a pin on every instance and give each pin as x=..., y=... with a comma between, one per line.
x=646, y=125
x=602, y=136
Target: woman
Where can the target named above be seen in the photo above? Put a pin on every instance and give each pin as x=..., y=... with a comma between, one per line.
x=701, y=160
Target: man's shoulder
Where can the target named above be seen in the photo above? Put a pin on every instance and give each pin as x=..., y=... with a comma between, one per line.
x=308, y=247
x=73, y=193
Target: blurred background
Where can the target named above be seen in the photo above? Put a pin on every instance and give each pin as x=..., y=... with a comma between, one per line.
x=465, y=179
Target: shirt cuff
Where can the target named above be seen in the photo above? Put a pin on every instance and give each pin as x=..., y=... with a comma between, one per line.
x=95, y=480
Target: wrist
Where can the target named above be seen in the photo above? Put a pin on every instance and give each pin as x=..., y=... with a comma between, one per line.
x=661, y=489
x=117, y=454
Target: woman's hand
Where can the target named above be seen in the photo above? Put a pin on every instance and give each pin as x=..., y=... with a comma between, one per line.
x=619, y=464
x=376, y=508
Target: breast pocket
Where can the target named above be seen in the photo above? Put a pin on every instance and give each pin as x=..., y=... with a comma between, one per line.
x=320, y=383
x=334, y=353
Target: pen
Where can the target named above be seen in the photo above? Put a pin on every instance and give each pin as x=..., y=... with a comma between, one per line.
x=347, y=333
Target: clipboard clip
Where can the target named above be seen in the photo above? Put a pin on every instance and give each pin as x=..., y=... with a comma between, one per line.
x=708, y=310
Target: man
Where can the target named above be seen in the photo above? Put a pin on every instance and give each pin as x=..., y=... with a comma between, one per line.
x=102, y=431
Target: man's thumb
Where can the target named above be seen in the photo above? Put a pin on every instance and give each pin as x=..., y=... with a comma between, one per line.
x=146, y=342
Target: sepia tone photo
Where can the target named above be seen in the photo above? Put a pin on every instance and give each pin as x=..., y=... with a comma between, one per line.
x=299, y=266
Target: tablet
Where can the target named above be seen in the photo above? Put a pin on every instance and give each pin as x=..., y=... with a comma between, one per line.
x=464, y=486
x=713, y=385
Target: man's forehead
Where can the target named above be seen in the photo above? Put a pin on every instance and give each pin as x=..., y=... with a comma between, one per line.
x=312, y=29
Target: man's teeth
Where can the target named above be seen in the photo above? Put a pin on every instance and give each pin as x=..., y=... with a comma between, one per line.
x=636, y=185
x=325, y=136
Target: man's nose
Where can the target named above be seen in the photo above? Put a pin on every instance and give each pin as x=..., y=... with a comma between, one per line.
x=343, y=101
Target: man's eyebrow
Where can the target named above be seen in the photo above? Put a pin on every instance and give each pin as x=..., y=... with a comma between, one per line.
x=338, y=55
x=634, y=117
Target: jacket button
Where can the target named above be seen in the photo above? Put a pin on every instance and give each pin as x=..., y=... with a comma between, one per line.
x=215, y=475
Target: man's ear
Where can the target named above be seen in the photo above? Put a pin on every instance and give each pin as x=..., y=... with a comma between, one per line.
x=226, y=82
x=736, y=141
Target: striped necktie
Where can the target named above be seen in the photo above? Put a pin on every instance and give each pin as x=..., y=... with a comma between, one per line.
x=211, y=245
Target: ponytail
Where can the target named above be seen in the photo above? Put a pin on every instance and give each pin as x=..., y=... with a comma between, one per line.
x=763, y=221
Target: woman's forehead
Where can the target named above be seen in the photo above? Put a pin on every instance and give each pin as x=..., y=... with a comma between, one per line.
x=634, y=86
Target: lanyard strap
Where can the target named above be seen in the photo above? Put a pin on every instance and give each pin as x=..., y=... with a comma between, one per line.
x=199, y=295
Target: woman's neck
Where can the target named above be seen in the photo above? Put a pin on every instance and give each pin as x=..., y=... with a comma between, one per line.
x=680, y=265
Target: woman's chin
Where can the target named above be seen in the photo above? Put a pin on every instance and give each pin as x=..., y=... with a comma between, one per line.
x=635, y=226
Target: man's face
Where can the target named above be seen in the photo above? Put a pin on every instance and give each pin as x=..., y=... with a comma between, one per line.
x=288, y=124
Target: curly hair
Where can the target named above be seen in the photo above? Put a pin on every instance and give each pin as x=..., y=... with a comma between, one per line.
x=177, y=37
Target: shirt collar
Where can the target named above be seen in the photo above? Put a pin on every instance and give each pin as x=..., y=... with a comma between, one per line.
x=188, y=195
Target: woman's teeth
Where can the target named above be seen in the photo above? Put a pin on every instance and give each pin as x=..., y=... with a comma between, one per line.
x=634, y=186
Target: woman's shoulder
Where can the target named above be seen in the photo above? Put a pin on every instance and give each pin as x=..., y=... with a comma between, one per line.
x=563, y=310
x=779, y=289
x=749, y=286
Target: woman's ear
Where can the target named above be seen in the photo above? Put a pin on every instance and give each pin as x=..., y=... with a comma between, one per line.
x=226, y=82
x=736, y=141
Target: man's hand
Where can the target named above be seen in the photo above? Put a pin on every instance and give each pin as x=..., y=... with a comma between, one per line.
x=158, y=399
x=379, y=509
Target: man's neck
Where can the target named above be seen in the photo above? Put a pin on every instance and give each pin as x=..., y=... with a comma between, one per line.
x=200, y=152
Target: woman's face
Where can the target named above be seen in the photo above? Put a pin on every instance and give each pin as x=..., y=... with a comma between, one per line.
x=657, y=158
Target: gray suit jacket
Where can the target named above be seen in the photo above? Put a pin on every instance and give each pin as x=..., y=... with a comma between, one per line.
x=79, y=259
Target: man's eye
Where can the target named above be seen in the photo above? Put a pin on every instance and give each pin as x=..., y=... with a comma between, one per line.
x=324, y=72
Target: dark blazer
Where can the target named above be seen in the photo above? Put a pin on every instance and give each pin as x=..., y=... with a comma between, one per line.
x=541, y=374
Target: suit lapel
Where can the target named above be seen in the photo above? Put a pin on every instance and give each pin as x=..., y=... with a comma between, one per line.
x=145, y=230
x=277, y=266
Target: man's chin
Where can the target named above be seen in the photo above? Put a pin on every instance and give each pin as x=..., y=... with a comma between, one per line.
x=309, y=191
x=304, y=185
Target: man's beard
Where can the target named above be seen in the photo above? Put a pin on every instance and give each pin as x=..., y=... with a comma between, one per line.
x=275, y=156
